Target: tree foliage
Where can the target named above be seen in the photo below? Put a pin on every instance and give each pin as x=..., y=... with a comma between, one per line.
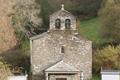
x=26, y=19
x=110, y=17
x=108, y=58
x=81, y=8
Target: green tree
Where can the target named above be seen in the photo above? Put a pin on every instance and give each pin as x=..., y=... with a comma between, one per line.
x=26, y=19
x=110, y=17
x=84, y=9
x=46, y=9
x=108, y=58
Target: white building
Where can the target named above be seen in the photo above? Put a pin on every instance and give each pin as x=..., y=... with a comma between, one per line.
x=110, y=75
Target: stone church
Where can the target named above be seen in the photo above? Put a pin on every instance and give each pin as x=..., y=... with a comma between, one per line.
x=61, y=53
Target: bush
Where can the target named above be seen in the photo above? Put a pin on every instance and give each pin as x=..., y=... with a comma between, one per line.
x=4, y=70
x=110, y=17
x=19, y=61
x=108, y=58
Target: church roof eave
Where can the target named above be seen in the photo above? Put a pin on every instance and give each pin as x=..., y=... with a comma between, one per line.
x=39, y=36
x=62, y=11
x=62, y=67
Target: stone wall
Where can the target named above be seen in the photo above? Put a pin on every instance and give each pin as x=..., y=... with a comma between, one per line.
x=46, y=51
x=62, y=15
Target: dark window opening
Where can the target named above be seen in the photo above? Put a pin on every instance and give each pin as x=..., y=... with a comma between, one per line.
x=67, y=24
x=62, y=49
x=61, y=78
x=57, y=23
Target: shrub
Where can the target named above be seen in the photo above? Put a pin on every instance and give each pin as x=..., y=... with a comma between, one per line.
x=108, y=57
x=4, y=70
x=19, y=61
x=110, y=17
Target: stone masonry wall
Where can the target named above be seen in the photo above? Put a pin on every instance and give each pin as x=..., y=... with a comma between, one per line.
x=46, y=51
x=62, y=15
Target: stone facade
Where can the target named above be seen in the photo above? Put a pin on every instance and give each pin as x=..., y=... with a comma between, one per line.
x=61, y=54
x=62, y=15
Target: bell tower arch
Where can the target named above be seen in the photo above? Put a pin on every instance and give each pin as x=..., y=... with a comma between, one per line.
x=62, y=20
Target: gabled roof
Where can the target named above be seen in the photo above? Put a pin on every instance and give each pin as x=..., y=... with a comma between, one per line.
x=62, y=13
x=62, y=67
x=38, y=36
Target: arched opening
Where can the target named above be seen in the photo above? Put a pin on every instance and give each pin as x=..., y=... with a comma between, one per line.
x=57, y=23
x=62, y=49
x=67, y=24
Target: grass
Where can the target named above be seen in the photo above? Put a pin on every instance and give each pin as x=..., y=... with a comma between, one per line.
x=90, y=29
x=95, y=77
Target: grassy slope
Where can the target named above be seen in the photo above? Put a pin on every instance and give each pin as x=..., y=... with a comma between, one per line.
x=90, y=29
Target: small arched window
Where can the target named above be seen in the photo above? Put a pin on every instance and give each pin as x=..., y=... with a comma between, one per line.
x=57, y=23
x=62, y=49
x=67, y=23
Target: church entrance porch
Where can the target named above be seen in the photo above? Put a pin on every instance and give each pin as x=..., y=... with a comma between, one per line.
x=62, y=77
x=62, y=71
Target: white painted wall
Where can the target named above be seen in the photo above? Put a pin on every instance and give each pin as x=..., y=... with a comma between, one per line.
x=109, y=75
x=17, y=77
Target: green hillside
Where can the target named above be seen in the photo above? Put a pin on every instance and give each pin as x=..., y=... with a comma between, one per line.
x=90, y=29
